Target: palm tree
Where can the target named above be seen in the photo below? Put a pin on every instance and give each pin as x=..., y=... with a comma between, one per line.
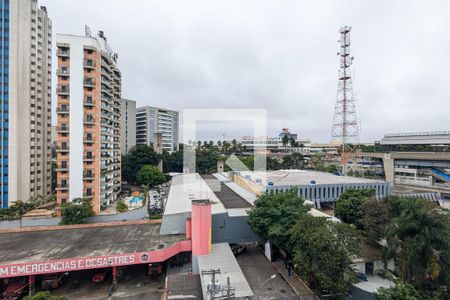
x=417, y=238
x=285, y=141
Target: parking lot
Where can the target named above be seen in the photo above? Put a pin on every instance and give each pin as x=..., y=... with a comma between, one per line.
x=257, y=269
x=135, y=284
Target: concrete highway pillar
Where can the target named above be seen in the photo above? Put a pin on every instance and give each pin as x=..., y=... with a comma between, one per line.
x=388, y=165
x=201, y=220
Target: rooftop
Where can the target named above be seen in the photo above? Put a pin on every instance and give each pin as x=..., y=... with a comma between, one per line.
x=301, y=177
x=188, y=187
x=230, y=199
x=222, y=258
x=28, y=246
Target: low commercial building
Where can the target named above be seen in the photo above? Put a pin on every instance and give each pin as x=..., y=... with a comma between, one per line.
x=319, y=187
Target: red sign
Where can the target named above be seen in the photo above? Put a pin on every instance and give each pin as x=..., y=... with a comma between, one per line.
x=93, y=262
x=66, y=265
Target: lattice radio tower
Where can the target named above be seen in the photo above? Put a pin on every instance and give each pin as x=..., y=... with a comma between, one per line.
x=345, y=123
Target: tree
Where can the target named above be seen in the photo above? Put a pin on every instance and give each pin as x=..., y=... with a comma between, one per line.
x=323, y=251
x=76, y=212
x=150, y=176
x=401, y=291
x=349, y=206
x=173, y=162
x=417, y=237
x=139, y=156
x=274, y=214
x=121, y=206
x=375, y=220
x=294, y=161
x=292, y=142
x=332, y=168
x=44, y=296
x=285, y=141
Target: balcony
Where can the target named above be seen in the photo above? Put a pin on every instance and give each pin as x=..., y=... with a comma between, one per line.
x=62, y=129
x=89, y=121
x=63, y=53
x=89, y=82
x=62, y=72
x=88, y=176
x=62, y=187
x=89, y=103
x=88, y=157
x=64, y=90
x=62, y=110
x=62, y=149
x=62, y=168
x=88, y=195
x=88, y=139
x=89, y=64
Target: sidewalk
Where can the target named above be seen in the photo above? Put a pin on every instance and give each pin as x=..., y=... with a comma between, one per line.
x=295, y=282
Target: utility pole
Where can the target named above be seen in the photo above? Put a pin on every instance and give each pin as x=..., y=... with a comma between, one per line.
x=345, y=124
x=216, y=291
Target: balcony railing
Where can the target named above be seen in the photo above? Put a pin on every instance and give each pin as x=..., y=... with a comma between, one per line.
x=62, y=129
x=61, y=187
x=89, y=121
x=62, y=72
x=63, y=90
x=63, y=53
x=89, y=82
x=88, y=175
x=89, y=64
x=62, y=110
x=62, y=149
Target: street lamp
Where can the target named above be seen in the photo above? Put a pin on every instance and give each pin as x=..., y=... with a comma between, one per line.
x=265, y=281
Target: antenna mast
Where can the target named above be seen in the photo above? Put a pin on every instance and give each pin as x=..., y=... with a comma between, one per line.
x=345, y=124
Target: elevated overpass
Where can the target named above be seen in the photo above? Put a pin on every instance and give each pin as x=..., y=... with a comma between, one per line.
x=430, y=163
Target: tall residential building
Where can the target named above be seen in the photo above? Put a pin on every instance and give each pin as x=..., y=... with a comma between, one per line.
x=25, y=101
x=128, y=125
x=151, y=120
x=89, y=103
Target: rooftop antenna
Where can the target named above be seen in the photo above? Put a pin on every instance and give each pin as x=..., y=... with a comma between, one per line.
x=345, y=123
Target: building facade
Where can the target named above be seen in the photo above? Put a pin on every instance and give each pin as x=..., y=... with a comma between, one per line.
x=151, y=120
x=274, y=144
x=25, y=101
x=89, y=109
x=128, y=125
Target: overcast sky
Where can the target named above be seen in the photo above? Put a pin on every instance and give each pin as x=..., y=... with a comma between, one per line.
x=280, y=56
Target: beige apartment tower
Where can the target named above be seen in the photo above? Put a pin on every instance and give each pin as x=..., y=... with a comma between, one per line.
x=25, y=101
x=88, y=130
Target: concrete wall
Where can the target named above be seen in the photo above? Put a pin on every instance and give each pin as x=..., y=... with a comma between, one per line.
x=136, y=214
x=29, y=222
x=231, y=229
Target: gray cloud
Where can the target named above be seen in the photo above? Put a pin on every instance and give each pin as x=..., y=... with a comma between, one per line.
x=278, y=55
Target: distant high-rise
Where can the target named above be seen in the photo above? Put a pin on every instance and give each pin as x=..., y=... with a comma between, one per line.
x=25, y=101
x=89, y=104
x=151, y=120
x=128, y=125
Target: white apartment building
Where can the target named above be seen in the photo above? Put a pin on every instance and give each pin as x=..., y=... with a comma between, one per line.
x=128, y=125
x=151, y=120
x=89, y=109
x=25, y=101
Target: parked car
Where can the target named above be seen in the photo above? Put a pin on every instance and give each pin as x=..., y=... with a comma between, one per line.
x=52, y=281
x=155, y=269
x=361, y=276
x=237, y=249
x=100, y=276
x=15, y=289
